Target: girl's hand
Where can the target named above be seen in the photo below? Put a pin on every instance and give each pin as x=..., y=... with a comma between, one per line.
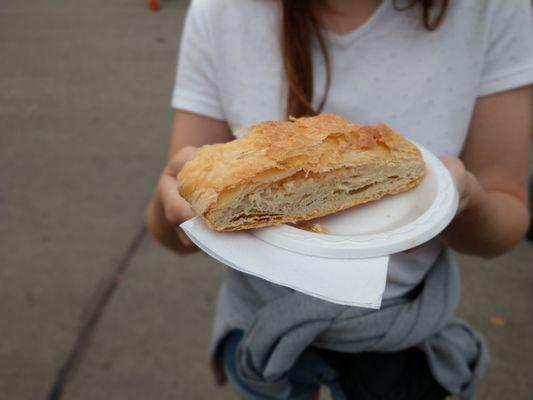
x=469, y=188
x=177, y=210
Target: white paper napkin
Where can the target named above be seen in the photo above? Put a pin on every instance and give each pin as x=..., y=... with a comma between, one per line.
x=358, y=282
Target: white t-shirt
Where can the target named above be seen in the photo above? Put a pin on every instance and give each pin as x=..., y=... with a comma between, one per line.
x=390, y=69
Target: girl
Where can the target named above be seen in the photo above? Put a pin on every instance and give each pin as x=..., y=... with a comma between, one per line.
x=451, y=75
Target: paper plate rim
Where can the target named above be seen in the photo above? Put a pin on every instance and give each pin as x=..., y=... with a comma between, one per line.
x=425, y=227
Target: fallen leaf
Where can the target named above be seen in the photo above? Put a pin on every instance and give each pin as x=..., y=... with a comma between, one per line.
x=496, y=320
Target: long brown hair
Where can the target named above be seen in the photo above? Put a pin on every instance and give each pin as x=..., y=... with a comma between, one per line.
x=298, y=28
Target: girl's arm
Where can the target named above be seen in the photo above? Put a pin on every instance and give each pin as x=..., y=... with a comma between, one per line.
x=167, y=209
x=492, y=178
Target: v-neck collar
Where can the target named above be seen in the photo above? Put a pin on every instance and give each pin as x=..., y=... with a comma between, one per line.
x=346, y=39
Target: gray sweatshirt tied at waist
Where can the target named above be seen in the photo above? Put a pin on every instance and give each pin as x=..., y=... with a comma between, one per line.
x=280, y=330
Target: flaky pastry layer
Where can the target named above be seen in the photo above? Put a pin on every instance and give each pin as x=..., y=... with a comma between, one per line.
x=282, y=172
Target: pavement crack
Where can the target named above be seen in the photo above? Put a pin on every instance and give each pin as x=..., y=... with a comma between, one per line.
x=92, y=317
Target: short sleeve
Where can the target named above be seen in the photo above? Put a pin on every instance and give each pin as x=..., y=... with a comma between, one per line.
x=508, y=60
x=196, y=88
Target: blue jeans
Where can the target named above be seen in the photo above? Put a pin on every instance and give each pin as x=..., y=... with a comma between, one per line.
x=308, y=373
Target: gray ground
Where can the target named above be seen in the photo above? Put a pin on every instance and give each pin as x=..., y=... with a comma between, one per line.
x=84, y=121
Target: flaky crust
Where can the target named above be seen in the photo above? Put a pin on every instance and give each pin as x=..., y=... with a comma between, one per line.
x=271, y=150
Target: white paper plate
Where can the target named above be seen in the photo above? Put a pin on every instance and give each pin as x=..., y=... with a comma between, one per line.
x=390, y=225
x=350, y=282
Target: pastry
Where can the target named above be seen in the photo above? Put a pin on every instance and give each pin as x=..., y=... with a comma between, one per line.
x=286, y=172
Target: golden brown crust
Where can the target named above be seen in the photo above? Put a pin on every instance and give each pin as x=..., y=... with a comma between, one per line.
x=318, y=144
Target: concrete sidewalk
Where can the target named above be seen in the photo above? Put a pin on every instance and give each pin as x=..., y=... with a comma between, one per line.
x=90, y=306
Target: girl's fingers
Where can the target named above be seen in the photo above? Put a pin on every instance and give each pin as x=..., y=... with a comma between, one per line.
x=468, y=186
x=184, y=239
x=177, y=162
x=176, y=208
x=458, y=171
x=460, y=176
